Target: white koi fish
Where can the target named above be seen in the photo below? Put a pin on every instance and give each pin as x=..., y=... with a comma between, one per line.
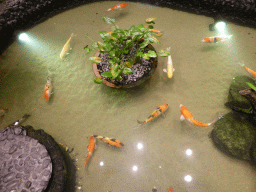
x=170, y=68
x=216, y=39
x=66, y=47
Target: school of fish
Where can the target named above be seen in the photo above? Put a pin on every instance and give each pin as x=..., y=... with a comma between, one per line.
x=185, y=113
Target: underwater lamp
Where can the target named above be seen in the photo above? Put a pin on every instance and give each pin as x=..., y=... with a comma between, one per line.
x=219, y=25
x=24, y=37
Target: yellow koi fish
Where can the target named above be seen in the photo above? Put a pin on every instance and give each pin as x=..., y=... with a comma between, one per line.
x=159, y=111
x=169, y=70
x=66, y=47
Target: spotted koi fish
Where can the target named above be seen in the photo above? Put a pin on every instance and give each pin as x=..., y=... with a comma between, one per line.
x=90, y=149
x=216, y=39
x=48, y=89
x=185, y=114
x=120, y=6
x=110, y=141
x=159, y=111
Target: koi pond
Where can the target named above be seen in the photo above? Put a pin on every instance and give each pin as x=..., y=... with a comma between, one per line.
x=162, y=153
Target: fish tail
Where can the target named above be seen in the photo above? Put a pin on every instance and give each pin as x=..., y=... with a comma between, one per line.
x=168, y=48
x=87, y=159
x=141, y=122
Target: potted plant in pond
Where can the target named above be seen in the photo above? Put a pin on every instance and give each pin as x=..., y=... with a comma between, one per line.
x=126, y=58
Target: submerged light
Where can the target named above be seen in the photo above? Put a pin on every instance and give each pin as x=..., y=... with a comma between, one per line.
x=23, y=37
x=189, y=152
x=218, y=25
x=188, y=178
x=134, y=168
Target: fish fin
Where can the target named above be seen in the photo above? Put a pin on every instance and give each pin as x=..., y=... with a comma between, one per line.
x=165, y=70
x=141, y=122
x=182, y=118
x=163, y=115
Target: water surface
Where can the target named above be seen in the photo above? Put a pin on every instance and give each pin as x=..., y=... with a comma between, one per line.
x=79, y=107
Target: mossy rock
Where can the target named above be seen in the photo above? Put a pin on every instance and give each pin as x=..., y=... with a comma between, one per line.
x=235, y=135
x=236, y=101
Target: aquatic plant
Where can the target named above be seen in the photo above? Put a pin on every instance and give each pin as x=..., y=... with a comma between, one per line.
x=120, y=44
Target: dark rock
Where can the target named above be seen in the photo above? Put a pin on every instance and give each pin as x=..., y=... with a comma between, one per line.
x=234, y=135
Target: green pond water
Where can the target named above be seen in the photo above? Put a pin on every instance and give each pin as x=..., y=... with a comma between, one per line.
x=79, y=108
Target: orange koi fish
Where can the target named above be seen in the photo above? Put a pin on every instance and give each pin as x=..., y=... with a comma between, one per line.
x=185, y=114
x=90, y=148
x=159, y=111
x=170, y=189
x=155, y=30
x=216, y=39
x=253, y=73
x=110, y=141
x=169, y=70
x=48, y=89
x=120, y=6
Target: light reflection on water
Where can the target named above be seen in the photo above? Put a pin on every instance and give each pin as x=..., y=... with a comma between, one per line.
x=161, y=154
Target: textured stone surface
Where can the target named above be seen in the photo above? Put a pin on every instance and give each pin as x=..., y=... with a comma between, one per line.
x=235, y=135
x=19, y=14
x=24, y=165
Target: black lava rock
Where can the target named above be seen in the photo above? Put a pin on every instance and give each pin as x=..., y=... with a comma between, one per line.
x=141, y=71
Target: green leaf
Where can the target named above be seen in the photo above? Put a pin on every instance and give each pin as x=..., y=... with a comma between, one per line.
x=252, y=86
x=109, y=20
x=106, y=74
x=87, y=34
x=150, y=19
x=102, y=33
x=153, y=39
x=151, y=53
x=163, y=53
x=140, y=54
x=144, y=44
x=95, y=59
x=98, y=80
x=101, y=46
x=127, y=71
x=150, y=27
x=88, y=51
x=145, y=56
x=114, y=35
x=158, y=34
x=116, y=74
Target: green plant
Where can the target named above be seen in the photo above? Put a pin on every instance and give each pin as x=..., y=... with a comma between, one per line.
x=118, y=43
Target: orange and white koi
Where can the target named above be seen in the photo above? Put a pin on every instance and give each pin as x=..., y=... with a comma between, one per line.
x=170, y=68
x=253, y=73
x=185, y=114
x=66, y=47
x=110, y=141
x=120, y=6
x=90, y=148
x=3, y=111
x=170, y=189
x=216, y=39
x=159, y=111
x=48, y=89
